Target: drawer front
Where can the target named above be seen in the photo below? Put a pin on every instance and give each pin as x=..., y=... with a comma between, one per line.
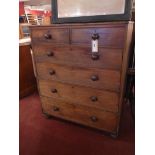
x=108, y=37
x=51, y=35
x=80, y=95
x=95, y=78
x=80, y=114
x=79, y=56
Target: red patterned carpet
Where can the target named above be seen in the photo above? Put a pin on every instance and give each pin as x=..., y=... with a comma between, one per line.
x=39, y=136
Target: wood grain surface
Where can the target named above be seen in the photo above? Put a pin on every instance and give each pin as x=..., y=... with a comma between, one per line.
x=80, y=95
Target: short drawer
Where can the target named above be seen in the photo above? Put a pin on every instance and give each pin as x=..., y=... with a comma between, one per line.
x=79, y=56
x=80, y=114
x=95, y=78
x=51, y=35
x=80, y=95
x=108, y=36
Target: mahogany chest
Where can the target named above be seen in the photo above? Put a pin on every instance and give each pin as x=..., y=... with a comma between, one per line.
x=73, y=83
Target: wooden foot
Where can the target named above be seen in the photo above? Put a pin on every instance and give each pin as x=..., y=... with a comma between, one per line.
x=47, y=116
x=114, y=135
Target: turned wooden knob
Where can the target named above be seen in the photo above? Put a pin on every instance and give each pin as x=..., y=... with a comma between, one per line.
x=55, y=109
x=93, y=118
x=47, y=36
x=94, y=78
x=95, y=56
x=93, y=98
x=95, y=36
x=52, y=72
x=53, y=90
x=50, y=54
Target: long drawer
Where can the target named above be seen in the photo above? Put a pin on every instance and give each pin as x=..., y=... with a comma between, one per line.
x=80, y=114
x=79, y=56
x=95, y=78
x=80, y=95
x=50, y=35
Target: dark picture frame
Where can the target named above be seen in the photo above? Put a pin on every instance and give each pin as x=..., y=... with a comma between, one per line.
x=126, y=16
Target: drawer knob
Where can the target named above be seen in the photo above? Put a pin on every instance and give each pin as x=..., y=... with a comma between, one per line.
x=94, y=98
x=93, y=118
x=94, y=78
x=95, y=36
x=55, y=109
x=52, y=72
x=53, y=90
x=48, y=36
x=50, y=54
x=95, y=56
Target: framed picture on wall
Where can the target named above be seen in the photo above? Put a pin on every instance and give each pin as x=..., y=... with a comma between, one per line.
x=24, y=30
x=70, y=11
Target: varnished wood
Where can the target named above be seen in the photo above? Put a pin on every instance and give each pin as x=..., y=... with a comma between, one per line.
x=33, y=62
x=52, y=35
x=109, y=58
x=81, y=95
x=126, y=59
x=108, y=37
x=27, y=82
x=107, y=79
x=73, y=83
x=128, y=43
x=89, y=25
x=131, y=71
x=81, y=114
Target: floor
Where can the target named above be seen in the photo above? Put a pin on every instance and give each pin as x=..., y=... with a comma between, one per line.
x=40, y=136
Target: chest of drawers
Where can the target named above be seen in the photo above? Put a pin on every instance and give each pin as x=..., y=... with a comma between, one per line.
x=73, y=83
